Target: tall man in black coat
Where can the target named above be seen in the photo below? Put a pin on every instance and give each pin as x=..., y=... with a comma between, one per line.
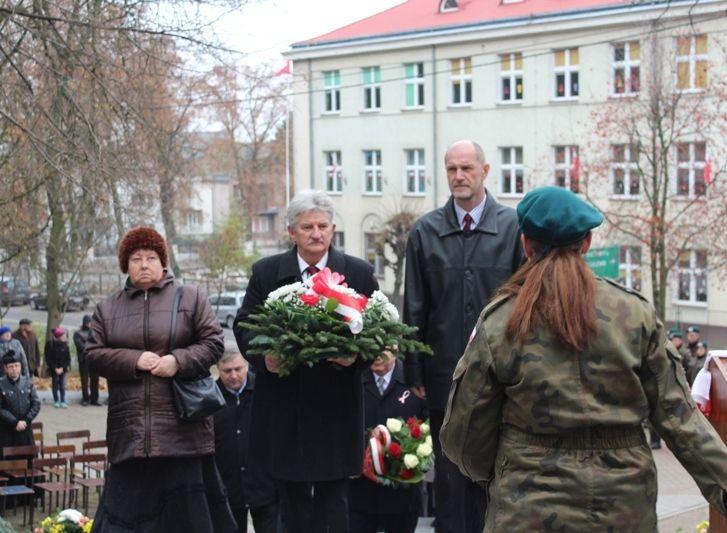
x=374, y=506
x=249, y=486
x=308, y=425
x=457, y=257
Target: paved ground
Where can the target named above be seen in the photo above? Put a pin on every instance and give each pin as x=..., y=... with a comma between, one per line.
x=680, y=506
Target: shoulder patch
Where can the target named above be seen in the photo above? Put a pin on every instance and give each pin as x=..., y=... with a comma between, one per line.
x=623, y=288
x=494, y=304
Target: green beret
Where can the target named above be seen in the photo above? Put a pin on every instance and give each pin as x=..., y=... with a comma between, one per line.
x=556, y=216
x=674, y=332
x=693, y=329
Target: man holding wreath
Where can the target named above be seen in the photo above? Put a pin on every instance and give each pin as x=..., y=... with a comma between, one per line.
x=309, y=424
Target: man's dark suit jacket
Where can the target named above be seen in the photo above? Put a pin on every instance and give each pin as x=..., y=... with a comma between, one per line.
x=309, y=425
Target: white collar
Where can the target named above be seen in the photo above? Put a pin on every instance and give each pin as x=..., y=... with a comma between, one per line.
x=302, y=264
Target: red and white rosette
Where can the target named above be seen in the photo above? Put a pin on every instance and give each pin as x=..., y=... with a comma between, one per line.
x=379, y=442
x=330, y=285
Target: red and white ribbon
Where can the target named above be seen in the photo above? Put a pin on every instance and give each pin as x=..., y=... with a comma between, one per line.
x=330, y=285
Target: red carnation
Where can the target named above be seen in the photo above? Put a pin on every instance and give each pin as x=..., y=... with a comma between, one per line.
x=310, y=299
x=406, y=473
x=416, y=432
x=395, y=450
x=411, y=422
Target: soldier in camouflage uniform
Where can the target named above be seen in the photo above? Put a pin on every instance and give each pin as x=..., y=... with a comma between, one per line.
x=675, y=336
x=555, y=433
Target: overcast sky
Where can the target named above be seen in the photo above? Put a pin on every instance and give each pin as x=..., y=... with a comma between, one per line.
x=265, y=28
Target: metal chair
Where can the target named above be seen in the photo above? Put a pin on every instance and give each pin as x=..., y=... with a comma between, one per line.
x=59, y=482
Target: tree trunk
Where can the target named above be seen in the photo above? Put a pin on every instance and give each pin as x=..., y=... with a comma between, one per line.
x=53, y=255
x=167, y=199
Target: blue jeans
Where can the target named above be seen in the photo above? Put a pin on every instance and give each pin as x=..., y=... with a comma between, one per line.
x=59, y=385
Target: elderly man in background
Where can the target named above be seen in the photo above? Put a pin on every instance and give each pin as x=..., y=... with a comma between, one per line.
x=457, y=257
x=249, y=486
x=9, y=344
x=29, y=341
x=308, y=425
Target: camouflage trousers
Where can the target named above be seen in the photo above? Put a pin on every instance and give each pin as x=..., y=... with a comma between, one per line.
x=585, y=480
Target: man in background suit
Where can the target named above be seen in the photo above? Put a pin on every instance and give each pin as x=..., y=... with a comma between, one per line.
x=308, y=425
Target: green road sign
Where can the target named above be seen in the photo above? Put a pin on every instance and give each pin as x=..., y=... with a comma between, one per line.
x=603, y=261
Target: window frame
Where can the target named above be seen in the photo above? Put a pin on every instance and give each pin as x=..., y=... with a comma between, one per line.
x=419, y=167
x=371, y=85
x=512, y=168
x=630, y=169
x=377, y=171
x=332, y=90
x=417, y=82
x=626, y=64
x=691, y=61
x=694, y=272
x=462, y=76
x=378, y=261
x=629, y=267
x=333, y=165
x=692, y=166
x=511, y=75
x=566, y=166
x=567, y=69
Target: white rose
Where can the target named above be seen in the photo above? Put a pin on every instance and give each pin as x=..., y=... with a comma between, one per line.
x=411, y=460
x=393, y=425
x=428, y=440
x=425, y=429
x=424, y=450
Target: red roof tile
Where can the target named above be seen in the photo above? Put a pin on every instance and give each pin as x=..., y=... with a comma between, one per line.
x=415, y=15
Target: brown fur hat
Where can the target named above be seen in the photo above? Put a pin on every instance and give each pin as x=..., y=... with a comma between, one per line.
x=141, y=238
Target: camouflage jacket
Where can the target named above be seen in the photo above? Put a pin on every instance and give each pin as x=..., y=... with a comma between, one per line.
x=556, y=434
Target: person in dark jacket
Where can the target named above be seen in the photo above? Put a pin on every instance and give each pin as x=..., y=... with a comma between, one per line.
x=374, y=507
x=80, y=339
x=249, y=487
x=58, y=359
x=457, y=256
x=7, y=344
x=29, y=341
x=19, y=404
x=308, y=425
x=163, y=475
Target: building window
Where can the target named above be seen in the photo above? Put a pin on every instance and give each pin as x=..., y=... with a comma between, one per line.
x=332, y=91
x=372, y=171
x=414, y=172
x=448, y=5
x=691, y=62
x=624, y=170
x=511, y=77
x=372, y=88
x=691, y=169
x=461, y=81
x=262, y=224
x=566, y=73
x=193, y=219
x=629, y=267
x=512, y=170
x=414, y=85
x=371, y=253
x=334, y=177
x=693, y=276
x=567, y=167
x=626, y=68
x=339, y=240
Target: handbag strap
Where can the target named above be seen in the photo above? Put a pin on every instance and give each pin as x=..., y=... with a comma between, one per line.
x=175, y=310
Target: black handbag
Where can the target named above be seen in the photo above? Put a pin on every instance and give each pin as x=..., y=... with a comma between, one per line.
x=195, y=398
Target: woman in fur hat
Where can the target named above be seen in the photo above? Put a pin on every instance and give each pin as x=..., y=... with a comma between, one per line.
x=163, y=475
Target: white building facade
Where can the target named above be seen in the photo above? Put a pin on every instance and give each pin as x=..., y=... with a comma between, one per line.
x=375, y=112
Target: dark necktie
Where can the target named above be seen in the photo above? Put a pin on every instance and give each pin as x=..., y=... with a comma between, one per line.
x=468, y=220
x=312, y=270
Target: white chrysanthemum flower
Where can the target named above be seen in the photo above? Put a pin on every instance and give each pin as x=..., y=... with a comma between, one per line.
x=71, y=515
x=391, y=311
x=286, y=293
x=424, y=428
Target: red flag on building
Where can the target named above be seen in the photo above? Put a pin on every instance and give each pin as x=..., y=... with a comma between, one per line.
x=707, y=171
x=285, y=70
